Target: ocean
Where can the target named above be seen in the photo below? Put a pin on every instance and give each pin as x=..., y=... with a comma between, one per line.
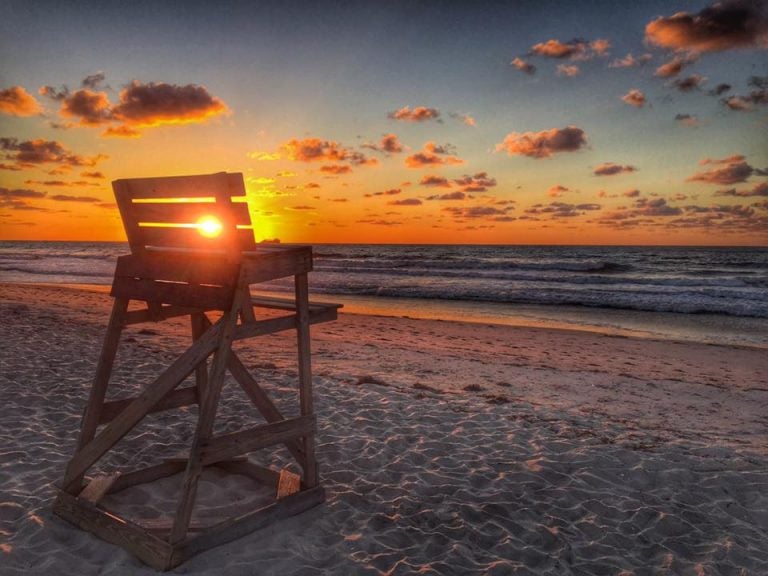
x=689, y=293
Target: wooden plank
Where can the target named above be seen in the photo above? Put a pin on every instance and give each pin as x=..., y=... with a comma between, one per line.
x=260, y=474
x=270, y=266
x=174, y=399
x=131, y=478
x=180, y=267
x=238, y=527
x=148, y=548
x=288, y=484
x=276, y=303
x=92, y=413
x=162, y=526
x=192, y=186
x=199, y=324
x=205, y=297
x=165, y=312
x=190, y=213
x=273, y=325
x=191, y=238
x=122, y=191
x=235, y=444
x=207, y=415
x=128, y=418
x=305, y=374
x=97, y=488
x=263, y=402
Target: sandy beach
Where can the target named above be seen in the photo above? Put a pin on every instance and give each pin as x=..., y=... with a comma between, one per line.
x=445, y=447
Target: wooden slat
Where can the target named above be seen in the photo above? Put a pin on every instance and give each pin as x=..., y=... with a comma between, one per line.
x=174, y=399
x=262, y=267
x=247, y=523
x=273, y=325
x=193, y=186
x=191, y=238
x=190, y=213
x=92, y=413
x=205, y=297
x=164, y=313
x=263, y=402
x=262, y=475
x=149, y=549
x=162, y=526
x=128, y=418
x=131, y=478
x=97, y=488
x=179, y=267
x=276, y=303
x=235, y=444
x=199, y=324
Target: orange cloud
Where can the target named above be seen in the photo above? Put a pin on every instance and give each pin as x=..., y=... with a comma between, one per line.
x=29, y=153
x=629, y=61
x=543, y=144
x=634, y=98
x=155, y=104
x=673, y=67
x=731, y=170
x=432, y=155
x=760, y=189
x=418, y=114
x=406, y=202
x=692, y=82
x=457, y=195
x=92, y=108
x=576, y=49
x=16, y=101
x=336, y=169
x=569, y=70
x=556, y=191
x=480, y=182
x=388, y=144
x=722, y=26
x=435, y=181
x=317, y=150
x=523, y=66
x=464, y=118
x=611, y=169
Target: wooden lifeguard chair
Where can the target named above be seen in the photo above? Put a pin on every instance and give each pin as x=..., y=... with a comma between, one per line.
x=193, y=254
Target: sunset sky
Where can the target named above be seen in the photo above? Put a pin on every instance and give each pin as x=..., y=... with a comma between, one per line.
x=413, y=122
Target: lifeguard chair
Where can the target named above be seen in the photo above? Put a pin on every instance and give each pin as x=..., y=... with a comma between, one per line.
x=193, y=254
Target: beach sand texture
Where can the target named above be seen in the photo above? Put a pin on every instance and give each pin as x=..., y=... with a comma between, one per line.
x=445, y=448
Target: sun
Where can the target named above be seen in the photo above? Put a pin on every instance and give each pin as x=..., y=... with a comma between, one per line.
x=209, y=226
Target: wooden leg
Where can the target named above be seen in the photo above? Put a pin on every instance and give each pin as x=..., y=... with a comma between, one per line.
x=305, y=374
x=200, y=324
x=92, y=413
x=206, y=419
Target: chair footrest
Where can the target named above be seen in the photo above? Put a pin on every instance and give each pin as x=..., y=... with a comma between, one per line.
x=290, y=304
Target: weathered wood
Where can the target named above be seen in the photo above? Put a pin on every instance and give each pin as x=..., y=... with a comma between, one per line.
x=174, y=399
x=289, y=304
x=192, y=295
x=262, y=401
x=238, y=527
x=93, y=409
x=191, y=237
x=207, y=414
x=199, y=324
x=149, y=549
x=235, y=444
x=162, y=526
x=260, y=474
x=127, y=479
x=281, y=323
x=262, y=267
x=164, y=313
x=136, y=410
x=97, y=488
x=288, y=484
x=189, y=213
x=305, y=374
x=185, y=267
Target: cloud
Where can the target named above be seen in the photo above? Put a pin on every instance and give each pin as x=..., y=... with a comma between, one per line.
x=569, y=70
x=379, y=222
x=463, y=118
x=634, y=98
x=523, y=66
x=317, y=150
x=562, y=209
x=556, y=191
x=301, y=207
x=475, y=212
x=543, y=144
x=576, y=49
x=91, y=108
x=724, y=25
x=692, y=82
x=91, y=174
x=634, y=193
x=336, y=169
x=20, y=193
x=673, y=67
x=747, y=103
x=731, y=170
x=611, y=169
x=53, y=93
x=93, y=81
x=687, y=120
x=435, y=181
x=418, y=114
x=720, y=89
x=406, y=202
x=480, y=182
x=67, y=198
x=62, y=183
x=16, y=101
x=388, y=144
x=629, y=61
x=390, y=192
x=457, y=195
x=28, y=153
x=760, y=189
x=432, y=155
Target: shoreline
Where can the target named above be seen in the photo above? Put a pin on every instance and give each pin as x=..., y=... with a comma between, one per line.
x=741, y=332
x=445, y=447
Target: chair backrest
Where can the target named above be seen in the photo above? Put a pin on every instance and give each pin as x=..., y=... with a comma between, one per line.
x=205, y=213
